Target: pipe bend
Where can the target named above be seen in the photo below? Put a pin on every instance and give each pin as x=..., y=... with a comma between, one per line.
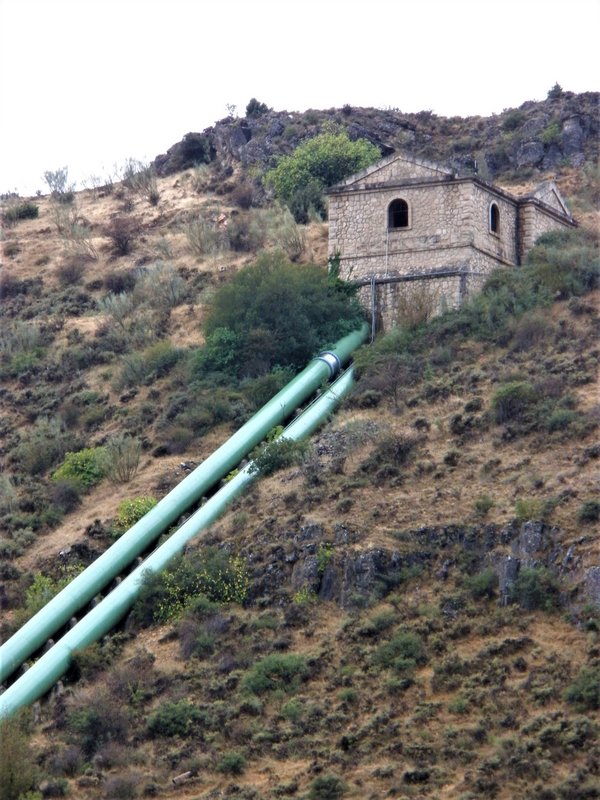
x=332, y=360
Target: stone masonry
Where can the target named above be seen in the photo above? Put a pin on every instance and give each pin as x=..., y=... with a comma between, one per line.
x=450, y=234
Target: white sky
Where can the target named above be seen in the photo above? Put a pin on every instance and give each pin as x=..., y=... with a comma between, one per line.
x=89, y=83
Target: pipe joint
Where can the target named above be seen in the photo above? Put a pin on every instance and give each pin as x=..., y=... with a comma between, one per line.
x=332, y=361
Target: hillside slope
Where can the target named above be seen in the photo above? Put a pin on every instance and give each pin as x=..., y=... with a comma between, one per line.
x=410, y=611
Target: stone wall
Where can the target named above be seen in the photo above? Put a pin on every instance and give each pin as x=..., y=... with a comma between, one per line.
x=533, y=222
x=449, y=230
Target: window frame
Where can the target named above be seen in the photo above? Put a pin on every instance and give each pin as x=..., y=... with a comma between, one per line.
x=404, y=210
x=494, y=218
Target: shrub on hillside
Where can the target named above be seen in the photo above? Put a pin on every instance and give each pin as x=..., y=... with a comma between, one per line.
x=511, y=401
x=300, y=179
x=121, y=458
x=565, y=263
x=276, y=313
x=97, y=721
x=42, y=446
x=176, y=718
x=122, y=232
x=535, y=588
x=278, y=671
x=279, y=454
x=584, y=692
x=131, y=511
x=84, y=468
x=213, y=573
x=18, y=211
x=18, y=770
x=402, y=653
x=327, y=787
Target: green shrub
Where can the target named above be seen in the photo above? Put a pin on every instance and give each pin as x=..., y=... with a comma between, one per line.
x=256, y=109
x=528, y=508
x=589, y=511
x=121, y=458
x=84, y=468
x=402, y=653
x=18, y=771
x=130, y=512
x=535, y=588
x=511, y=401
x=214, y=574
x=180, y=718
x=483, y=584
x=19, y=211
x=564, y=263
x=232, y=763
x=316, y=164
x=279, y=671
x=584, y=692
x=275, y=313
x=154, y=362
x=561, y=419
x=483, y=504
x=42, y=589
x=99, y=721
x=513, y=120
x=280, y=454
x=327, y=787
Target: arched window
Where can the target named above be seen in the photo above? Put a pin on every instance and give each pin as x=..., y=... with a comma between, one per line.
x=398, y=214
x=494, y=218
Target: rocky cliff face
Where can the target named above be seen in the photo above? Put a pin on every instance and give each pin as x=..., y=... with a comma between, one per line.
x=563, y=130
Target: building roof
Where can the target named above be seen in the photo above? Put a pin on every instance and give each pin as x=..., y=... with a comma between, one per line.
x=545, y=196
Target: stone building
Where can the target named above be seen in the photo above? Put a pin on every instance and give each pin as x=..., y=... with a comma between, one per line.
x=405, y=228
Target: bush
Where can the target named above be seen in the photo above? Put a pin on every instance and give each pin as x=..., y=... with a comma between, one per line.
x=154, y=362
x=483, y=584
x=121, y=458
x=180, y=718
x=280, y=454
x=327, y=787
x=43, y=446
x=122, y=231
x=275, y=313
x=564, y=263
x=232, y=763
x=483, y=504
x=589, y=511
x=584, y=692
x=402, y=653
x=316, y=164
x=84, y=469
x=18, y=772
x=130, y=512
x=284, y=671
x=65, y=495
x=256, y=109
x=99, y=721
x=19, y=211
x=212, y=573
x=535, y=588
x=511, y=401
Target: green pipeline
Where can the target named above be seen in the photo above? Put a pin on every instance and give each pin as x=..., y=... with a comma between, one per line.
x=82, y=589
x=49, y=668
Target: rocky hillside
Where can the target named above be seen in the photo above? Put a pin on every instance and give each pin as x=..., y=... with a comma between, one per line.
x=561, y=131
x=412, y=608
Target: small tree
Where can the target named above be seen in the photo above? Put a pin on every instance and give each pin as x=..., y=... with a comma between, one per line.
x=300, y=179
x=58, y=183
x=256, y=109
x=276, y=313
x=18, y=773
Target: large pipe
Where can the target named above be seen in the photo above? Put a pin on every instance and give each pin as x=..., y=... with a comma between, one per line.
x=39, y=678
x=138, y=538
